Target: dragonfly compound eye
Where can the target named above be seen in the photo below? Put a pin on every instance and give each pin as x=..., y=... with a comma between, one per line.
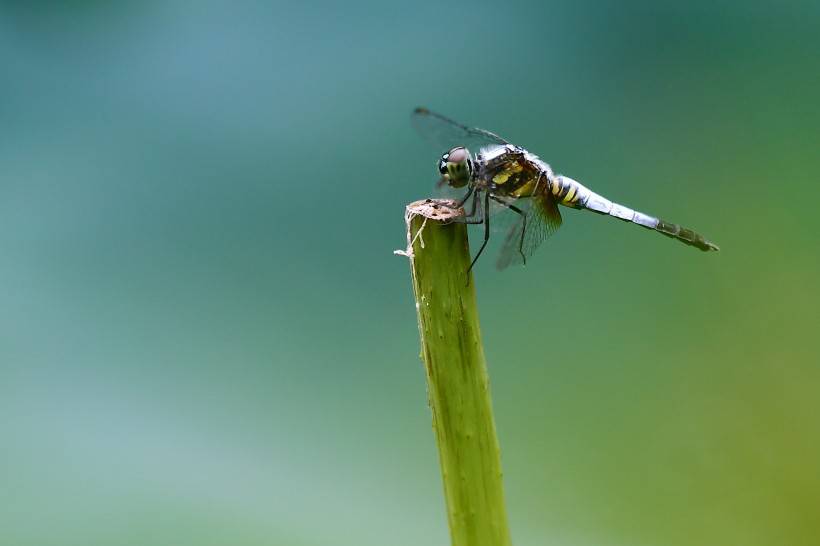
x=457, y=155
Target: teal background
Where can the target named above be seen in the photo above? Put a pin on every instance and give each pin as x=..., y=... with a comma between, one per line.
x=206, y=339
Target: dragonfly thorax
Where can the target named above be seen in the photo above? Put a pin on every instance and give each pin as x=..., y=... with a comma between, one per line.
x=456, y=167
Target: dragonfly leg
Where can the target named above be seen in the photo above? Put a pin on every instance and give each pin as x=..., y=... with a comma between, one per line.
x=486, y=218
x=523, y=227
x=460, y=203
x=469, y=217
x=464, y=199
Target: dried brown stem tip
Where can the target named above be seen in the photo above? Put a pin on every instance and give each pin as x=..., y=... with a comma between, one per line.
x=436, y=209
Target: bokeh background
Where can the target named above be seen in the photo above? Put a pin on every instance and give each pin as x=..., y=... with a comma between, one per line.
x=205, y=338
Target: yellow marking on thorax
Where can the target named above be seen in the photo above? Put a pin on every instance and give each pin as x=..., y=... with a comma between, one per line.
x=502, y=177
x=556, y=187
x=505, y=175
x=525, y=190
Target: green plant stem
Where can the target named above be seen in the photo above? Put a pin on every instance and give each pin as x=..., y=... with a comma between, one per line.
x=457, y=381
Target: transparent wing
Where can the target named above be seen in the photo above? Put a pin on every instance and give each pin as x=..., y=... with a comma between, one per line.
x=444, y=191
x=542, y=220
x=445, y=133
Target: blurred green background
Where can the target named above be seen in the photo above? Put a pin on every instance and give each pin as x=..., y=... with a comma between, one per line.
x=205, y=338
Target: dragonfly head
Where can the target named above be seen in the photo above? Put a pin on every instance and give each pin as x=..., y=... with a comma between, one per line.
x=456, y=167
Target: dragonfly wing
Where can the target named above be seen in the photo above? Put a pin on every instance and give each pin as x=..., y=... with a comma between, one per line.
x=539, y=220
x=446, y=133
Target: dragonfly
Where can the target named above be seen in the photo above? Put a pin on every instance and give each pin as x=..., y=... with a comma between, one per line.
x=506, y=176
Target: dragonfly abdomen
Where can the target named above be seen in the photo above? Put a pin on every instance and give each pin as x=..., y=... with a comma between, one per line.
x=567, y=191
x=575, y=194
x=685, y=235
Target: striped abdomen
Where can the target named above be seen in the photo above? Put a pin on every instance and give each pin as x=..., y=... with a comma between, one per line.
x=571, y=193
